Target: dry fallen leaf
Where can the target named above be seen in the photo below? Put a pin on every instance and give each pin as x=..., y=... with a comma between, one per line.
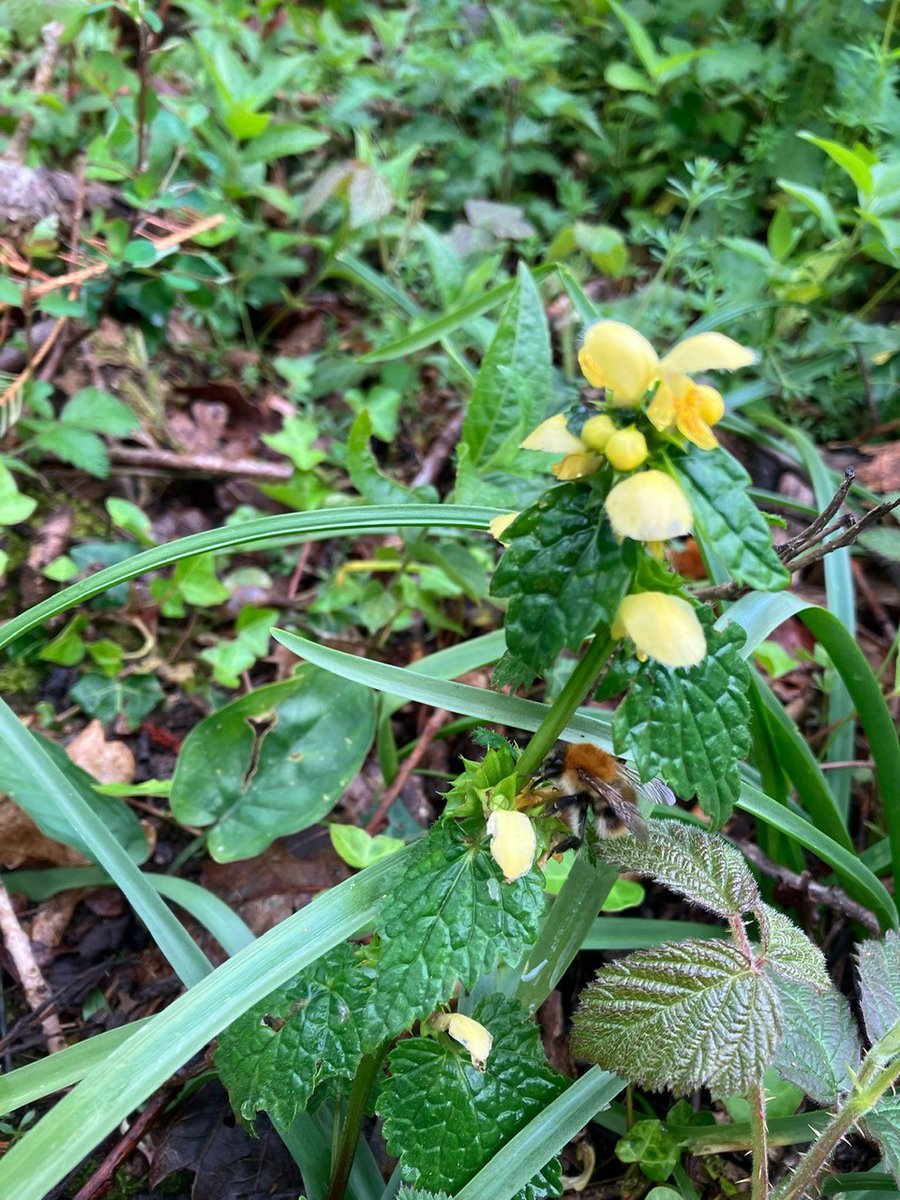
x=880, y=470
x=21, y=841
x=107, y=761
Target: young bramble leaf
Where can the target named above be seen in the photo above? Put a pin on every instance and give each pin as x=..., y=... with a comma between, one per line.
x=821, y=1042
x=650, y=1144
x=882, y=1124
x=563, y=572
x=681, y=1015
x=315, y=1027
x=698, y=865
x=691, y=725
x=790, y=953
x=445, y=1118
x=728, y=521
x=879, y=984
x=451, y=918
x=406, y=1193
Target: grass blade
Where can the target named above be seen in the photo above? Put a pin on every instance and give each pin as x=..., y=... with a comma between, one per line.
x=638, y=933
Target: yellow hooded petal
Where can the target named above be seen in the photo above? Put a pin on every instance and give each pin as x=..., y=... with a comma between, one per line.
x=689, y=419
x=616, y=357
x=661, y=409
x=500, y=524
x=712, y=406
x=573, y=466
x=473, y=1035
x=553, y=437
x=513, y=842
x=707, y=352
x=649, y=507
x=664, y=628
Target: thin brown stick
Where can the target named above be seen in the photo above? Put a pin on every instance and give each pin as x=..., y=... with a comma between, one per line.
x=440, y=451
x=432, y=725
x=35, y=987
x=103, y=1178
x=832, y=897
x=201, y=464
x=43, y=76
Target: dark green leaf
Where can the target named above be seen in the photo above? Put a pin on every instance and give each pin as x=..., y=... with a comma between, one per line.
x=446, y=1118
x=821, y=1042
x=699, y=865
x=691, y=726
x=563, y=572
x=728, y=521
x=682, y=1015
x=451, y=919
x=883, y=1126
x=273, y=762
x=130, y=697
x=879, y=984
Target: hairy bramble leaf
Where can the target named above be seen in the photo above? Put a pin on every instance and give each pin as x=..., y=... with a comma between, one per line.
x=728, y=521
x=883, y=1125
x=406, y=1193
x=821, y=1042
x=691, y=726
x=445, y=1118
x=696, y=864
x=681, y=1015
x=879, y=984
x=790, y=953
x=563, y=572
x=315, y=1027
x=450, y=919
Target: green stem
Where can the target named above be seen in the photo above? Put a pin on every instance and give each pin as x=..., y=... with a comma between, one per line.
x=889, y=27
x=579, y=685
x=756, y=1098
x=356, y=1111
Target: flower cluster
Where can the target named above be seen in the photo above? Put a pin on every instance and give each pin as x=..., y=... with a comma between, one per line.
x=646, y=504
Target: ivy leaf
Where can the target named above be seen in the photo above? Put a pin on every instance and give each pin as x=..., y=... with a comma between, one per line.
x=650, y=1144
x=451, y=918
x=691, y=726
x=681, y=1015
x=563, y=572
x=126, y=699
x=879, y=984
x=690, y=861
x=790, y=953
x=315, y=1027
x=728, y=520
x=445, y=1118
x=883, y=1125
x=821, y=1042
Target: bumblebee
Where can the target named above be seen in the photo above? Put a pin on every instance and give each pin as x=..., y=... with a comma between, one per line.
x=579, y=779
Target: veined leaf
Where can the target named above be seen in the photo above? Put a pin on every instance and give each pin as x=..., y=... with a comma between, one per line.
x=789, y=952
x=883, y=1125
x=879, y=984
x=365, y=474
x=821, y=1042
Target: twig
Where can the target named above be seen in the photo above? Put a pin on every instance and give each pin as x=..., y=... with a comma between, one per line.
x=35, y=987
x=432, y=725
x=103, y=1177
x=18, y=143
x=439, y=453
x=201, y=464
x=832, y=897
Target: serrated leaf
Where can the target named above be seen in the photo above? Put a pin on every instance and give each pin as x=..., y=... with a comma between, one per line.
x=692, y=862
x=563, y=572
x=789, y=952
x=451, y=919
x=883, y=1125
x=681, y=1015
x=728, y=521
x=80, y=447
x=99, y=411
x=315, y=1027
x=879, y=984
x=407, y=1193
x=821, y=1042
x=691, y=726
x=445, y=1118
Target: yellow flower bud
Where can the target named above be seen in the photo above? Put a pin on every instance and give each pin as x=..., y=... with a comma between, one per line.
x=616, y=357
x=597, y=431
x=649, y=507
x=662, y=627
x=711, y=404
x=513, y=842
x=468, y=1032
x=627, y=449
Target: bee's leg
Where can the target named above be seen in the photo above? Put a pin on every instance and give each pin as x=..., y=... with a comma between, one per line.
x=572, y=810
x=571, y=842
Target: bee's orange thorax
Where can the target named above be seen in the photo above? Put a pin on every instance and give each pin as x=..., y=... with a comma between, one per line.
x=592, y=759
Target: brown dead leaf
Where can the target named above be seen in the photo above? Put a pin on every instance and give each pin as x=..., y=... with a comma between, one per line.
x=51, y=922
x=21, y=841
x=107, y=761
x=880, y=470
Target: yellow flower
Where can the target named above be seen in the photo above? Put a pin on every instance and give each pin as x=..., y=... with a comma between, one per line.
x=468, y=1032
x=649, y=507
x=513, y=842
x=689, y=407
x=627, y=449
x=553, y=437
x=618, y=358
x=662, y=627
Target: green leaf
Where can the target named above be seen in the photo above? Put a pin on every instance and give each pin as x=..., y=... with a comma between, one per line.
x=407, y=1193
x=14, y=507
x=100, y=412
x=230, y=657
x=728, y=521
x=640, y=40
x=195, y=579
x=514, y=382
x=816, y=202
x=282, y=141
x=10, y=292
x=633, y=1018
x=879, y=984
x=316, y=1026
x=563, y=572
x=789, y=952
x=820, y=1047
x=273, y=762
x=445, y=1118
x=690, y=726
x=77, y=446
x=882, y=1124
x=369, y=196
x=359, y=849
x=296, y=439
x=696, y=864
x=848, y=160
x=626, y=78
x=127, y=516
x=650, y=1144
x=365, y=474
x=67, y=649
x=450, y=919
x=131, y=697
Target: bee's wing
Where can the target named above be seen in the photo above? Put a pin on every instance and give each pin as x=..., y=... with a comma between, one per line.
x=624, y=813
x=655, y=791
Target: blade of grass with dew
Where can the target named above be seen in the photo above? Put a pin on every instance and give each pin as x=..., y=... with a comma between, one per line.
x=93, y=1109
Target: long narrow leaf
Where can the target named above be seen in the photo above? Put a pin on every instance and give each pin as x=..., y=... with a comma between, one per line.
x=637, y=933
